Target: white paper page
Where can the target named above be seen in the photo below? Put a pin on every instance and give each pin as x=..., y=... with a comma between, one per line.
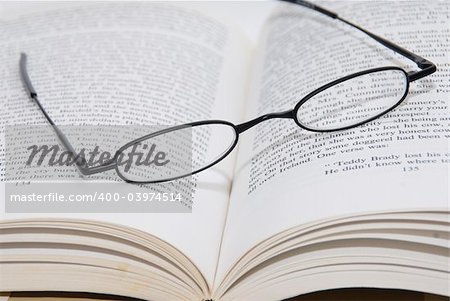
x=83, y=45
x=286, y=176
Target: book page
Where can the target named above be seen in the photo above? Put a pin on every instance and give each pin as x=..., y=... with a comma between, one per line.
x=286, y=176
x=131, y=64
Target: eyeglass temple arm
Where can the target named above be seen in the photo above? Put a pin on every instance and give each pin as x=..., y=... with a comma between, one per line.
x=424, y=64
x=80, y=161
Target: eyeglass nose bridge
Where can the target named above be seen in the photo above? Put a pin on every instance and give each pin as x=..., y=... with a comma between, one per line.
x=240, y=128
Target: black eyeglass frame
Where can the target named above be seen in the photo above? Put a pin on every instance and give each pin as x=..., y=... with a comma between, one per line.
x=425, y=65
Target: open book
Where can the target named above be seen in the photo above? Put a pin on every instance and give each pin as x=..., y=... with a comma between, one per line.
x=290, y=211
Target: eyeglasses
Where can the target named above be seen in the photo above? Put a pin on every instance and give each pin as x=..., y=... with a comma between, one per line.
x=339, y=105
